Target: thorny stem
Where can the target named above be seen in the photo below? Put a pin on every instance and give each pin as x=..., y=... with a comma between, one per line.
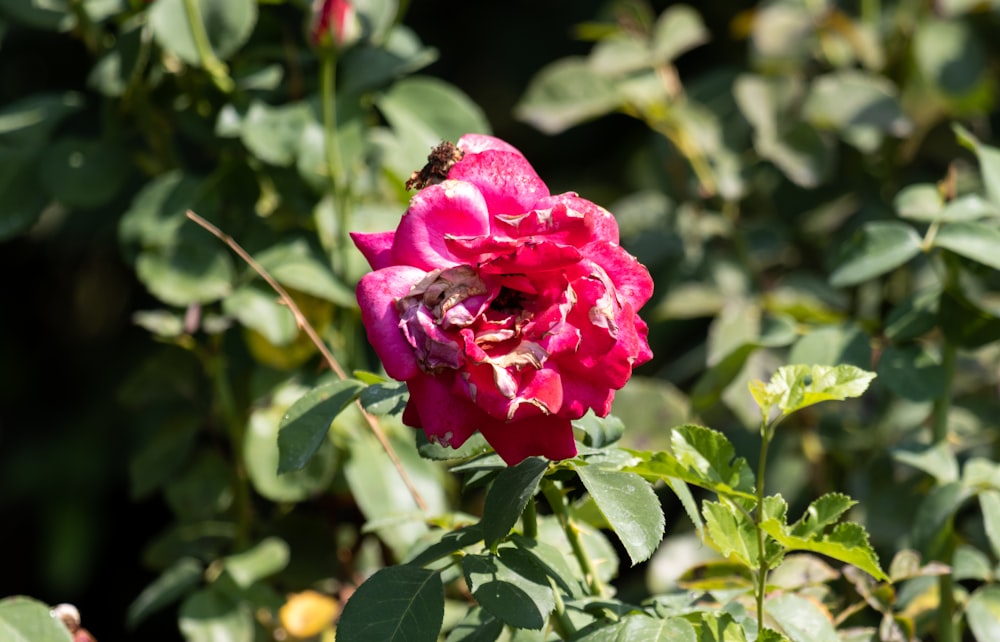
x=303, y=323
x=557, y=501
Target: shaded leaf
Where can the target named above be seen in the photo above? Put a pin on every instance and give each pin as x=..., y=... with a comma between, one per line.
x=396, y=604
x=877, y=248
x=630, y=506
x=175, y=581
x=227, y=25
x=800, y=619
x=989, y=504
x=477, y=626
x=950, y=55
x=849, y=98
x=989, y=161
x=912, y=372
x=511, y=491
x=209, y=615
x=510, y=587
x=384, y=398
x=936, y=460
x=304, y=426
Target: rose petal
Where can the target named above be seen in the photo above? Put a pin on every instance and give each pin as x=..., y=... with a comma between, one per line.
x=597, y=223
x=376, y=247
x=630, y=277
x=506, y=180
x=476, y=143
x=444, y=418
x=377, y=294
x=437, y=211
x=580, y=395
x=545, y=435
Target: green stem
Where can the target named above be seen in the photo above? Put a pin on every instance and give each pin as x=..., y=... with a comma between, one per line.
x=758, y=516
x=558, y=503
x=946, y=583
x=529, y=520
x=562, y=625
x=216, y=68
x=331, y=146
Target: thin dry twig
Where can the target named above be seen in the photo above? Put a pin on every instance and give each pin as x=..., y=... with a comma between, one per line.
x=303, y=323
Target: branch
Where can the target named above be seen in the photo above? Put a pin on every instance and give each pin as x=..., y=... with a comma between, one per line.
x=303, y=323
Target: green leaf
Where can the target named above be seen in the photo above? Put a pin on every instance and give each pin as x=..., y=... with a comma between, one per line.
x=386, y=398
x=677, y=30
x=85, y=173
x=912, y=372
x=821, y=513
x=914, y=316
x=965, y=323
x=196, y=270
x=259, y=310
x=450, y=542
x=396, y=604
x=555, y=563
x=989, y=504
x=265, y=558
x=642, y=628
x=877, y=248
x=832, y=345
x=950, y=55
x=209, y=615
x=932, y=524
x=599, y=432
x=511, y=587
x=982, y=612
x=227, y=25
x=721, y=627
x=566, y=93
x=969, y=207
x=273, y=134
x=919, y=202
x=976, y=240
x=477, y=626
x=630, y=506
x=847, y=542
x=294, y=263
x=731, y=532
x=801, y=152
x=800, y=619
x=175, y=581
x=702, y=457
x=798, y=386
x=303, y=428
x=848, y=98
x=511, y=491
x=23, y=619
x=989, y=161
x=936, y=460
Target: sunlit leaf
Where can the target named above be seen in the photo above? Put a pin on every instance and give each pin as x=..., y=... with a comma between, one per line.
x=989, y=504
x=565, y=93
x=821, y=513
x=936, y=460
x=630, y=506
x=919, y=202
x=396, y=604
x=847, y=542
x=731, y=532
x=800, y=619
x=227, y=25
x=677, y=30
x=23, y=619
x=265, y=558
x=798, y=386
x=982, y=612
x=976, y=240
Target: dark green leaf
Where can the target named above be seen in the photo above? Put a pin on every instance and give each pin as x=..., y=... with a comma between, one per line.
x=965, y=323
x=476, y=626
x=932, y=524
x=976, y=240
x=989, y=504
x=396, y=604
x=950, y=55
x=877, y=248
x=511, y=491
x=511, y=587
x=303, y=428
x=912, y=372
x=177, y=580
x=707, y=391
x=989, y=162
x=387, y=398
x=599, y=432
x=450, y=542
x=83, y=173
x=630, y=506
x=23, y=619
x=801, y=152
x=914, y=316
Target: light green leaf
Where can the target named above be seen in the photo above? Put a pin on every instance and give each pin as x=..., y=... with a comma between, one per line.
x=848, y=98
x=982, y=612
x=177, y=580
x=227, y=25
x=209, y=615
x=731, y=532
x=831, y=345
x=259, y=309
x=800, y=619
x=677, y=30
x=847, y=542
x=511, y=491
x=989, y=161
x=23, y=619
x=936, y=460
x=566, y=93
x=303, y=428
x=798, y=386
x=702, y=457
x=821, y=513
x=919, y=202
x=989, y=504
x=265, y=558
x=273, y=134
x=876, y=248
x=720, y=626
x=511, y=587
x=976, y=240
x=630, y=506
x=643, y=628
x=969, y=207
x=396, y=604
x=599, y=432
x=294, y=263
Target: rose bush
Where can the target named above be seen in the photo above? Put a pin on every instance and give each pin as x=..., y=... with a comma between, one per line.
x=504, y=309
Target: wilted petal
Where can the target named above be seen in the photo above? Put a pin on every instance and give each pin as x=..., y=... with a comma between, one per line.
x=585, y=220
x=377, y=294
x=630, y=277
x=436, y=212
x=546, y=435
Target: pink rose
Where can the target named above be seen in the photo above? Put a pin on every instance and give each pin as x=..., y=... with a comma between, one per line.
x=336, y=21
x=504, y=309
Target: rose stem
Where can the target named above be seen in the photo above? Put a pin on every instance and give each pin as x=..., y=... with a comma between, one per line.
x=557, y=501
x=303, y=323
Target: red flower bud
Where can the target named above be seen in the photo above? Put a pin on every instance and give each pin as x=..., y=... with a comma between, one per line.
x=336, y=22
